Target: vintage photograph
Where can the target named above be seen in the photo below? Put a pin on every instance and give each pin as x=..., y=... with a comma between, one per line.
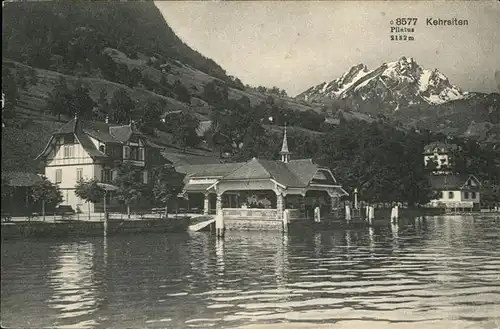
x=250, y=164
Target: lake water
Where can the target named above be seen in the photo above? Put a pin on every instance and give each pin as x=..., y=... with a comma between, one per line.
x=441, y=273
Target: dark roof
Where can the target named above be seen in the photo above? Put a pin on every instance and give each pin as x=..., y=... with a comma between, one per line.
x=100, y=131
x=252, y=169
x=262, y=169
x=282, y=173
x=89, y=146
x=439, y=147
x=304, y=169
x=104, y=132
x=296, y=173
x=184, y=159
x=449, y=182
x=121, y=133
x=21, y=179
x=208, y=170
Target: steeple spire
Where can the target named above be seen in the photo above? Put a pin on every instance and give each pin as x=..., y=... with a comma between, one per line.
x=285, y=153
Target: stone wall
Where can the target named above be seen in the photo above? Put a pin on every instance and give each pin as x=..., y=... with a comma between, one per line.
x=82, y=228
x=253, y=224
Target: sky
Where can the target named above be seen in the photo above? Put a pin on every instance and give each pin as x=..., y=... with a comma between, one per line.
x=296, y=45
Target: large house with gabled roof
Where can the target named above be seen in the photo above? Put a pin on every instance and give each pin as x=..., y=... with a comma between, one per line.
x=84, y=149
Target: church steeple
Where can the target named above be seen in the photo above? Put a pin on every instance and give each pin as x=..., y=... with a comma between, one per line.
x=285, y=153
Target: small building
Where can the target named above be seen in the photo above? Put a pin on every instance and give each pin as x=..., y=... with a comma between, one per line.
x=84, y=149
x=441, y=154
x=19, y=202
x=255, y=193
x=456, y=192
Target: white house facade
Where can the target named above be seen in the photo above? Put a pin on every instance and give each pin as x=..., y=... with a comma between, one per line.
x=85, y=150
x=456, y=192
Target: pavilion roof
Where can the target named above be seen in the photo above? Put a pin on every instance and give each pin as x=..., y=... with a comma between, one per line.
x=295, y=173
x=262, y=169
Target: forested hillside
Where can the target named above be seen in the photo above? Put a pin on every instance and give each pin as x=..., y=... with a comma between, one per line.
x=121, y=61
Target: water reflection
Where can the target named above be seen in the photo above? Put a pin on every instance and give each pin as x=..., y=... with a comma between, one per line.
x=219, y=251
x=281, y=262
x=73, y=287
x=371, y=236
x=395, y=235
x=442, y=270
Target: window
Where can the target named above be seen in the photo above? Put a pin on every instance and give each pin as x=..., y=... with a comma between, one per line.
x=450, y=195
x=106, y=175
x=466, y=195
x=134, y=153
x=440, y=195
x=145, y=177
x=102, y=148
x=69, y=139
x=473, y=195
x=141, y=154
x=126, y=153
x=79, y=174
x=58, y=176
x=68, y=151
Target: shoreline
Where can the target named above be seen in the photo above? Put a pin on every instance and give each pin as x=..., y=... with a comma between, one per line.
x=81, y=228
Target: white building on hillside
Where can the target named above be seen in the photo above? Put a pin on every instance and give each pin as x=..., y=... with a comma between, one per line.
x=441, y=154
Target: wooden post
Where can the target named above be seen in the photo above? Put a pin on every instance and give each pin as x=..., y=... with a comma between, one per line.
x=43, y=210
x=219, y=218
x=355, y=198
x=317, y=214
x=347, y=214
x=279, y=205
x=105, y=217
x=206, y=204
x=371, y=215
x=285, y=221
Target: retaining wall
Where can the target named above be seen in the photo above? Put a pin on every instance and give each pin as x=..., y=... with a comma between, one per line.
x=90, y=228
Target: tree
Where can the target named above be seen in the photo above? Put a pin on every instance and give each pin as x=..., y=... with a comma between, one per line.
x=89, y=190
x=59, y=101
x=237, y=120
x=121, y=107
x=129, y=183
x=108, y=67
x=103, y=103
x=148, y=115
x=70, y=101
x=11, y=92
x=215, y=93
x=182, y=93
x=81, y=102
x=183, y=127
x=6, y=195
x=167, y=184
x=47, y=193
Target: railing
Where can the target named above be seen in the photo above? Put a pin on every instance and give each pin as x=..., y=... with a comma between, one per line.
x=294, y=214
x=253, y=213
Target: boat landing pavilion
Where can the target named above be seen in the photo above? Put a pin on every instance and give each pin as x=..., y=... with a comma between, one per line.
x=257, y=192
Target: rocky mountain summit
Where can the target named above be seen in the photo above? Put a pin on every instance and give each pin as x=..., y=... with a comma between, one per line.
x=392, y=85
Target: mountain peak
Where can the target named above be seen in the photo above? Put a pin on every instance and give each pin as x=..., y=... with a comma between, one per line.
x=400, y=82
